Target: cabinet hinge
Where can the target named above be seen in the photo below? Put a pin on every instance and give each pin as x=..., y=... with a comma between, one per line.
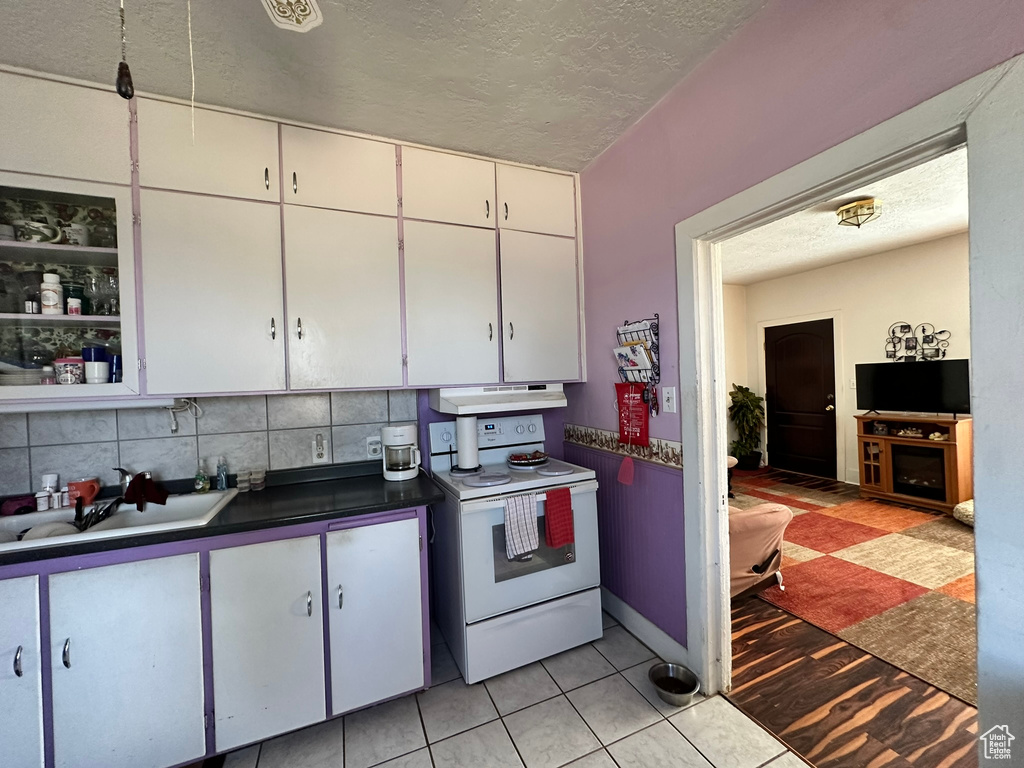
x=405, y=361
x=398, y=161
x=421, y=543
x=135, y=165
x=206, y=721
x=136, y=218
x=399, y=202
x=401, y=244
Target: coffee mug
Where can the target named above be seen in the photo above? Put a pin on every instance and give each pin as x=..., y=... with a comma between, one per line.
x=86, y=487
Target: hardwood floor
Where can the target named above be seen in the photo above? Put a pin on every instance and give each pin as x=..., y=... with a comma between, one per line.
x=838, y=706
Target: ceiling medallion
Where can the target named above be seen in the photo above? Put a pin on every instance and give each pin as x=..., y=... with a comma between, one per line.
x=296, y=15
x=859, y=213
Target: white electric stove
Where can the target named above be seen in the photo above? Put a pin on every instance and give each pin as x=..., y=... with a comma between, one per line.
x=498, y=614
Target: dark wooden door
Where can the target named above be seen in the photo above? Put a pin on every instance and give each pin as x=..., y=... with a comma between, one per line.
x=800, y=397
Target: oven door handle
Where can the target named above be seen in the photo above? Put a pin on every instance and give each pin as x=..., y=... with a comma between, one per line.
x=480, y=505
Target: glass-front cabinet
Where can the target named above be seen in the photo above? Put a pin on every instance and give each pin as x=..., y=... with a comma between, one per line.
x=67, y=290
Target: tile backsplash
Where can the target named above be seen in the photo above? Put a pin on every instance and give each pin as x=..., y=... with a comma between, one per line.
x=272, y=431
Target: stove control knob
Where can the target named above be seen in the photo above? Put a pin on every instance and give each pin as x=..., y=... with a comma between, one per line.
x=446, y=437
x=520, y=429
x=532, y=428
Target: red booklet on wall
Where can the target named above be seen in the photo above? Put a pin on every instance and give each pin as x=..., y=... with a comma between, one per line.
x=633, y=414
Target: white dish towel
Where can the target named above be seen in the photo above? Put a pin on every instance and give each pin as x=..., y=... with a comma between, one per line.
x=521, y=525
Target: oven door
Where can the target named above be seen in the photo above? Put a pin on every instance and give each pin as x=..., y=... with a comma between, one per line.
x=493, y=585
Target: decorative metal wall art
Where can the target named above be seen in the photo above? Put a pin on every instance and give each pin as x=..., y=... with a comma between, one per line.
x=907, y=344
x=296, y=15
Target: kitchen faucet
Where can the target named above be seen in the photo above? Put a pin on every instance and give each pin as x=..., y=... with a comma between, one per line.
x=126, y=478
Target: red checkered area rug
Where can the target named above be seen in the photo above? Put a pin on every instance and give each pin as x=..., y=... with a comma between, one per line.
x=893, y=580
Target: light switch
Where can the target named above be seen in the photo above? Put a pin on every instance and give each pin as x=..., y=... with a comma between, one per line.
x=669, y=397
x=853, y=383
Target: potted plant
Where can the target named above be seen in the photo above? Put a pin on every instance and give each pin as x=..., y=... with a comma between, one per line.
x=747, y=414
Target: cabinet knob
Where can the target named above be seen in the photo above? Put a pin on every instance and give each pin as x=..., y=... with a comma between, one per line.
x=66, y=655
x=266, y=177
x=273, y=328
x=487, y=209
x=299, y=326
x=309, y=603
x=511, y=331
x=295, y=182
x=17, y=662
x=506, y=211
x=341, y=597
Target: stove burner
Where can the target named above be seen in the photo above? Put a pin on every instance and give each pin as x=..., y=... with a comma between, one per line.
x=555, y=471
x=460, y=472
x=487, y=479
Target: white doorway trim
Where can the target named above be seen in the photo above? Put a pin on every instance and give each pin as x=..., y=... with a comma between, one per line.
x=915, y=136
x=836, y=316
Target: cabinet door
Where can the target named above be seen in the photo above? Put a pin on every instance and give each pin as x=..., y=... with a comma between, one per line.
x=212, y=294
x=231, y=155
x=451, y=301
x=327, y=170
x=441, y=187
x=70, y=131
x=127, y=660
x=540, y=310
x=872, y=464
x=268, y=639
x=21, y=692
x=344, y=299
x=536, y=201
x=375, y=610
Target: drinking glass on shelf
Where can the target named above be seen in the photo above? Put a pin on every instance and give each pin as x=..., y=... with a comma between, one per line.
x=94, y=294
x=113, y=296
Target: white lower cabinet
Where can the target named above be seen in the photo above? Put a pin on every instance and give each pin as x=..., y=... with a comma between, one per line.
x=375, y=611
x=127, y=660
x=21, y=693
x=268, y=641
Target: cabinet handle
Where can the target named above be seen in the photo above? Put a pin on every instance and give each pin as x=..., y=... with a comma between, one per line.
x=341, y=597
x=487, y=209
x=490, y=332
x=511, y=331
x=17, y=662
x=299, y=325
x=506, y=211
x=66, y=656
x=309, y=603
x=266, y=177
x=295, y=182
x=273, y=328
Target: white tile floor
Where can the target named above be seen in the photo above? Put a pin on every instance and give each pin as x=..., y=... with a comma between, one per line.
x=591, y=707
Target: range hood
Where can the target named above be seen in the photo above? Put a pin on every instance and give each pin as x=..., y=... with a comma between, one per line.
x=468, y=401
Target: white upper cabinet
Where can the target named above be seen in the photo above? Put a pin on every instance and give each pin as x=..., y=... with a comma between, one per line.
x=266, y=618
x=344, y=305
x=213, y=312
x=536, y=201
x=57, y=129
x=375, y=613
x=127, y=665
x=21, y=674
x=449, y=188
x=231, y=155
x=328, y=170
x=451, y=300
x=539, y=303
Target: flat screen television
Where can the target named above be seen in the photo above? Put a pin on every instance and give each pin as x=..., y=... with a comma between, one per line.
x=928, y=386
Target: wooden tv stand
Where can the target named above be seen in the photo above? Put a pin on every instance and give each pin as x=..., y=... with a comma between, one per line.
x=900, y=466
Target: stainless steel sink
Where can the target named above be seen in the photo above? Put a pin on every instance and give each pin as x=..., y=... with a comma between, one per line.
x=185, y=511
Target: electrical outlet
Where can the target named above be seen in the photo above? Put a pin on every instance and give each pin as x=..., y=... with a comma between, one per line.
x=373, y=448
x=669, y=397
x=320, y=449
x=853, y=383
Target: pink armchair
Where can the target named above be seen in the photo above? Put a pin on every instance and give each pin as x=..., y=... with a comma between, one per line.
x=755, y=546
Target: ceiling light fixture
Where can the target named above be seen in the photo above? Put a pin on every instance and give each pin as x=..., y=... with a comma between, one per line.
x=859, y=213
x=296, y=15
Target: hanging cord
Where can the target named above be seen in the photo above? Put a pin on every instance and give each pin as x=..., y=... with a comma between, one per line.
x=187, y=405
x=192, y=66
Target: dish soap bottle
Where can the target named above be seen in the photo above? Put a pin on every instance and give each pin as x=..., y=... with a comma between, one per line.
x=202, y=483
x=222, y=474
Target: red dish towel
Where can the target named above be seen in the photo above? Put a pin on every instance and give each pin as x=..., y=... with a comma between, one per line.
x=558, y=518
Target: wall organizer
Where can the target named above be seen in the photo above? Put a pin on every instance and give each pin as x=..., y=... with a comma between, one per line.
x=633, y=367
x=907, y=343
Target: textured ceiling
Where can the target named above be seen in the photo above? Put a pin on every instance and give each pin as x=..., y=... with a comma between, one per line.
x=548, y=82
x=920, y=204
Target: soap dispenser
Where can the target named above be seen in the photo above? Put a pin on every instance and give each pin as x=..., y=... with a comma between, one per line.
x=202, y=483
x=222, y=474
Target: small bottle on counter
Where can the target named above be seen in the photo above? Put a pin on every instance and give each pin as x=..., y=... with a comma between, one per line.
x=32, y=303
x=74, y=306
x=65, y=497
x=51, y=295
x=49, y=375
x=202, y=483
x=222, y=474
x=42, y=501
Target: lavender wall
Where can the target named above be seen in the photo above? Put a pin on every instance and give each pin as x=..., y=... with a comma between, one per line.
x=800, y=77
x=641, y=537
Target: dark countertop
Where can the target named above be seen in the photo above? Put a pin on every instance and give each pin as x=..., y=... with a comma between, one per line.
x=291, y=497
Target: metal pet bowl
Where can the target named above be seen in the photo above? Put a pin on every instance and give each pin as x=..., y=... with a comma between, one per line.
x=676, y=685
